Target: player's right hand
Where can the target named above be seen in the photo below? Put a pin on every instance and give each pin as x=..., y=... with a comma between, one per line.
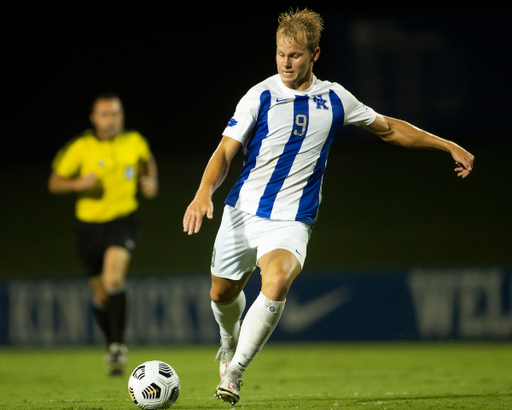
x=194, y=214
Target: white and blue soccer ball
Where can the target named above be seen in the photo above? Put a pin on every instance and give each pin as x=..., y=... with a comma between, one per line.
x=154, y=385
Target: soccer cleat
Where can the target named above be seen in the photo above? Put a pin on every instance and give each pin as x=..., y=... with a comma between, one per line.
x=224, y=356
x=229, y=387
x=116, y=359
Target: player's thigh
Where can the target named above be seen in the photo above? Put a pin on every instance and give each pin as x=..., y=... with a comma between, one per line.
x=292, y=236
x=279, y=268
x=282, y=250
x=233, y=256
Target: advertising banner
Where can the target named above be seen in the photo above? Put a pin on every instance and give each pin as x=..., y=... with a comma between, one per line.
x=420, y=304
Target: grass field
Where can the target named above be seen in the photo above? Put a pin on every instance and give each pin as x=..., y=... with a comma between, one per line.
x=449, y=375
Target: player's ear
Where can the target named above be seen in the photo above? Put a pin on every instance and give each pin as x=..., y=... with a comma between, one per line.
x=316, y=54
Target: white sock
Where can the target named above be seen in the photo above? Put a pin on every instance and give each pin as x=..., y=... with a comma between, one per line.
x=228, y=319
x=259, y=323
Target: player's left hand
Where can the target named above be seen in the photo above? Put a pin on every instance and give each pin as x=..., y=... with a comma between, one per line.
x=464, y=161
x=148, y=186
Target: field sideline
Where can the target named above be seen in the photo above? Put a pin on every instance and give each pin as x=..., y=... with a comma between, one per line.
x=441, y=375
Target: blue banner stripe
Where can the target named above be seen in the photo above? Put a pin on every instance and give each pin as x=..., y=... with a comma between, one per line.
x=285, y=161
x=252, y=148
x=308, y=206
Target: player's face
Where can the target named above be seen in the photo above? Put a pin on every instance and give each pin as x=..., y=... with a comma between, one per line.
x=107, y=117
x=295, y=64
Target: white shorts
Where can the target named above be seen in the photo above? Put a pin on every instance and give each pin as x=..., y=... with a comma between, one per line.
x=243, y=238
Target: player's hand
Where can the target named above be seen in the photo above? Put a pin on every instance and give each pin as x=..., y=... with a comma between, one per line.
x=464, y=161
x=194, y=214
x=148, y=186
x=86, y=182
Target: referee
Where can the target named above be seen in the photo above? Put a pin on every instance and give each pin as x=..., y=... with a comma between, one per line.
x=104, y=167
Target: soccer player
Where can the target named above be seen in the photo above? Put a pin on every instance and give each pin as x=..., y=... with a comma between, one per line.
x=286, y=125
x=104, y=167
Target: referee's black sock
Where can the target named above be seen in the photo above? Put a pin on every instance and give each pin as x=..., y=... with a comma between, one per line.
x=101, y=315
x=116, y=311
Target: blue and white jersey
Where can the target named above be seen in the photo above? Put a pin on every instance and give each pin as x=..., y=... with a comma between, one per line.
x=286, y=136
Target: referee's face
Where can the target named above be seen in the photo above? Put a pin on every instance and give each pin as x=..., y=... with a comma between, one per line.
x=107, y=117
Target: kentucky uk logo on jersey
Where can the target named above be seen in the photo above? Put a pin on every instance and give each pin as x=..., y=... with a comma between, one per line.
x=320, y=102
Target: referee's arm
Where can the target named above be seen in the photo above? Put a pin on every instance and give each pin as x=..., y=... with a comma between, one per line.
x=149, y=178
x=60, y=185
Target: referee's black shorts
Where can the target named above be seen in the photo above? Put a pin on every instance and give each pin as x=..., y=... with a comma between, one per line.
x=93, y=239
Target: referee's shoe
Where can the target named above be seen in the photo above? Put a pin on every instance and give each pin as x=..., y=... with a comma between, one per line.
x=116, y=359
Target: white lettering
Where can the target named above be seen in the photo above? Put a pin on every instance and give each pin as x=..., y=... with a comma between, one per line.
x=463, y=303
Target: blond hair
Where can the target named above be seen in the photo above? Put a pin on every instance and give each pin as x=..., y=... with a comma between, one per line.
x=302, y=26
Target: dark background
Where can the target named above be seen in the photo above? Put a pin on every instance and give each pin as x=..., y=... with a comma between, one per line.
x=180, y=72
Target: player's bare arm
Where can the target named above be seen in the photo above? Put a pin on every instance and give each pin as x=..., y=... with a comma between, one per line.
x=213, y=176
x=401, y=133
x=61, y=185
x=149, y=178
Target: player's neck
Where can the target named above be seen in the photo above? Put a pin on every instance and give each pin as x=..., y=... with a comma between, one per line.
x=303, y=85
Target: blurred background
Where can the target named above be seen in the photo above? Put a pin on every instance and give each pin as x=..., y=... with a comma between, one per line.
x=180, y=73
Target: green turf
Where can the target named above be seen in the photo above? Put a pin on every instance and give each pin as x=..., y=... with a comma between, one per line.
x=322, y=376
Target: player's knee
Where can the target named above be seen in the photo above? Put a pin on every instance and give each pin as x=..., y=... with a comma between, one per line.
x=113, y=284
x=275, y=290
x=223, y=296
x=225, y=291
x=277, y=285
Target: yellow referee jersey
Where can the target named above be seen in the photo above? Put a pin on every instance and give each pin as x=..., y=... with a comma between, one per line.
x=116, y=165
